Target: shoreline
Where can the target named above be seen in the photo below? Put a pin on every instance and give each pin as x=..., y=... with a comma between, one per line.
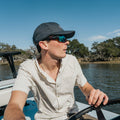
x=96, y=62
x=6, y=63
x=101, y=62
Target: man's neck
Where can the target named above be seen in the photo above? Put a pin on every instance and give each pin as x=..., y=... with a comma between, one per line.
x=49, y=64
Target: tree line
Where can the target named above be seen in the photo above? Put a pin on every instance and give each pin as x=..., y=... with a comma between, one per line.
x=106, y=50
x=25, y=54
x=103, y=51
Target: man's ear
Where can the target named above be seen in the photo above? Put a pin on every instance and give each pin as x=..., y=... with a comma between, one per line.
x=43, y=45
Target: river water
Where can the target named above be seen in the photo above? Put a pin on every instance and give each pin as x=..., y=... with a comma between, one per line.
x=105, y=77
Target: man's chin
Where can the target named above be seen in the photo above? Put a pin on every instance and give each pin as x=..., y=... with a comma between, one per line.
x=64, y=55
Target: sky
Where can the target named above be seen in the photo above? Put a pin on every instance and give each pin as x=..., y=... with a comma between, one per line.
x=93, y=20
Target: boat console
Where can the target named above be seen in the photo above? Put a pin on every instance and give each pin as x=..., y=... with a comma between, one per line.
x=6, y=85
x=9, y=57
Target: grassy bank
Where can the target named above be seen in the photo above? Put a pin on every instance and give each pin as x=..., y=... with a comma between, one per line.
x=81, y=62
x=101, y=62
x=6, y=63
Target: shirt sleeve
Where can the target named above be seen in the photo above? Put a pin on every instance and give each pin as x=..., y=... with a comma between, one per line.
x=80, y=78
x=22, y=82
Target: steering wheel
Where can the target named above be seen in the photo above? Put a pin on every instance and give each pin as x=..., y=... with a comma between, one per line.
x=98, y=110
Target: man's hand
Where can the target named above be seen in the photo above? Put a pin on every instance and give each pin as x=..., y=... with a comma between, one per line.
x=96, y=97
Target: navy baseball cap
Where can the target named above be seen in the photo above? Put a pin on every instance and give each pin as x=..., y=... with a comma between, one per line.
x=44, y=30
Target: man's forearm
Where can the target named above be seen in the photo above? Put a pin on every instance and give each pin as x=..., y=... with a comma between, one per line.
x=13, y=112
x=86, y=89
x=94, y=96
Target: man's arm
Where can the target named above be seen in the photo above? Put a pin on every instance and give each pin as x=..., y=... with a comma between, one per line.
x=94, y=96
x=14, y=109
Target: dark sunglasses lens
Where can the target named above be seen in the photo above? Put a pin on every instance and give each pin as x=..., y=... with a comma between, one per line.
x=62, y=39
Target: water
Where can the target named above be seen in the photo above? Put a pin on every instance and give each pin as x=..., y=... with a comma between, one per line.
x=105, y=77
x=5, y=72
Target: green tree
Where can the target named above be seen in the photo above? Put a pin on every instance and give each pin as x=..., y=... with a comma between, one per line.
x=77, y=49
x=13, y=47
x=106, y=49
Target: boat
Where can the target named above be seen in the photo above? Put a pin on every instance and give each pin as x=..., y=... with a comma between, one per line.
x=30, y=107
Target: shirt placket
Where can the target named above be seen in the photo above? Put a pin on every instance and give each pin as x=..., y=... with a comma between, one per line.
x=57, y=91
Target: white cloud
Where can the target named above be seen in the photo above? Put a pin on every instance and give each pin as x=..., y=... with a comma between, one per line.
x=97, y=38
x=101, y=38
x=109, y=35
x=114, y=33
x=118, y=34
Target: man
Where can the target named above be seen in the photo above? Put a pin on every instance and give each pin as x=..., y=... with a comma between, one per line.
x=51, y=77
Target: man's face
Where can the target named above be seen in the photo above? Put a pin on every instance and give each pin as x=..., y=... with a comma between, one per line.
x=57, y=49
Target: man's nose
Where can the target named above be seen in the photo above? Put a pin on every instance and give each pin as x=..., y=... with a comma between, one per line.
x=67, y=42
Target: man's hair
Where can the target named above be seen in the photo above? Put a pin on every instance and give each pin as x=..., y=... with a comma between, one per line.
x=38, y=48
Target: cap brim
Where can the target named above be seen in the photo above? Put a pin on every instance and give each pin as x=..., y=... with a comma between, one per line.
x=67, y=34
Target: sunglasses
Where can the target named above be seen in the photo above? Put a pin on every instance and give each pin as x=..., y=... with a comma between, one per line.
x=59, y=38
